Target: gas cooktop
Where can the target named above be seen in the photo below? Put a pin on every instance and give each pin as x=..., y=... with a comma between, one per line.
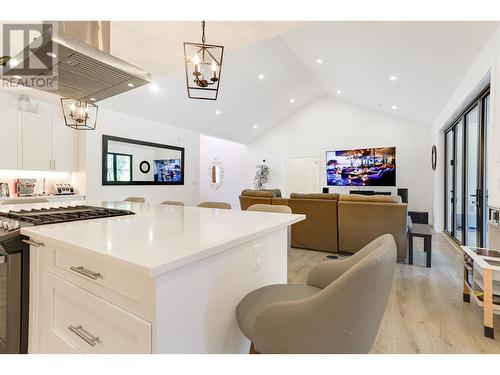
x=13, y=220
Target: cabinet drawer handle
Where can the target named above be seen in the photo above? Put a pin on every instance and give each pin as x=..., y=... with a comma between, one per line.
x=85, y=272
x=84, y=335
x=34, y=243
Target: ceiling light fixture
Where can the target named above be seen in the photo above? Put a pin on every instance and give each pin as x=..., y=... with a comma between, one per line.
x=204, y=62
x=261, y=76
x=393, y=78
x=51, y=54
x=339, y=92
x=79, y=114
x=319, y=61
x=154, y=88
x=130, y=84
x=394, y=107
x=217, y=112
x=292, y=100
x=255, y=126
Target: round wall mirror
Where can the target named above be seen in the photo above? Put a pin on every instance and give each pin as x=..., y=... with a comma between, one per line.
x=215, y=173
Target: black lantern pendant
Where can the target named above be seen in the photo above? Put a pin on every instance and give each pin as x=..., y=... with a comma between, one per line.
x=203, y=68
x=79, y=114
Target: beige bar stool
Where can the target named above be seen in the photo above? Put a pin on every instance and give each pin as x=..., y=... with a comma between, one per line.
x=277, y=208
x=270, y=208
x=223, y=205
x=135, y=199
x=173, y=203
x=338, y=310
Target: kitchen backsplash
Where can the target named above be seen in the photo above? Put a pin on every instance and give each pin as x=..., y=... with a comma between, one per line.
x=51, y=178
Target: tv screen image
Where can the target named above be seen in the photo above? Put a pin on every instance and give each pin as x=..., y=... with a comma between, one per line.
x=361, y=167
x=167, y=170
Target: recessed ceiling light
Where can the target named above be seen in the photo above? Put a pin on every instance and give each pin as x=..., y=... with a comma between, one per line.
x=339, y=92
x=130, y=84
x=217, y=112
x=393, y=78
x=255, y=126
x=292, y=100
x=93, y=99
x=51, y=54
x=319, y=61
x=394, y=107
x=261, y=76
x=154, y=88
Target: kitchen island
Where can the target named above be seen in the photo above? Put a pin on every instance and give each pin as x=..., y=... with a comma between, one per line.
x=165, y=280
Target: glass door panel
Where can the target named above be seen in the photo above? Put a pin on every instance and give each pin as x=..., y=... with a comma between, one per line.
x=484, y=208
x=458, y=192
x=449, y=181
x=473, y=194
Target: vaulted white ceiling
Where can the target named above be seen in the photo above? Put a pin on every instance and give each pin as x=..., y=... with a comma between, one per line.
x=428, y=58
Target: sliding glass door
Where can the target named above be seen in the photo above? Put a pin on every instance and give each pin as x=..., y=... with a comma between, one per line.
x=458, y=196
x=449, y=183
x=465, y=175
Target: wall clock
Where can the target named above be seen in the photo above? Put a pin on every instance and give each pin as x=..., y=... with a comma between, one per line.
x=144, y=166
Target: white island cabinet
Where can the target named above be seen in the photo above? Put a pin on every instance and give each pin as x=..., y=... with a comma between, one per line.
x=166, y=280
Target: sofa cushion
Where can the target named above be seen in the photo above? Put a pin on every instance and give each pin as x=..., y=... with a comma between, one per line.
x=269, y=193
x=314, y=196
x=257, y=193
x=370, y=198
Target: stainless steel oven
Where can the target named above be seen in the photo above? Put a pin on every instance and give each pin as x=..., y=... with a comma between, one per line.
x=10, y=301
x=14, y=265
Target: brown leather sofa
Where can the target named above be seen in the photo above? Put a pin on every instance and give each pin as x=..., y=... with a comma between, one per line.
x=363, y=218
x=334, y=222
x=319, y=230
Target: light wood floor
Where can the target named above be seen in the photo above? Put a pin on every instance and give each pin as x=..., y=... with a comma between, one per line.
x=425, y=312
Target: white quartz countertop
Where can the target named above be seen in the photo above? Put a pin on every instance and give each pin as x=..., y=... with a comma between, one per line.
x=158, y=238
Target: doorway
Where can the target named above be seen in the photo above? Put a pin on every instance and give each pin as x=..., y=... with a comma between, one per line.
x=466, y=195
x=301, y=175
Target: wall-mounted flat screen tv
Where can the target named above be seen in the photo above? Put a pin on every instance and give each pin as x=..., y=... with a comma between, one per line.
x=167, y=170
x=361, y=167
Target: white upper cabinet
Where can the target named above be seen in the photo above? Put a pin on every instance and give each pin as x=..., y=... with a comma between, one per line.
x=31, y=141
x=64, y=145
x=10, y=139
x=36, y=142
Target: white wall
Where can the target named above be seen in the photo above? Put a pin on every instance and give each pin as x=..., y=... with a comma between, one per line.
x=487, y=61
x=127, y=126
x=87, y=179
x=322, y=125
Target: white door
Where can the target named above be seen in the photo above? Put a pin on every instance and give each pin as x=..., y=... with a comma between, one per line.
x=10, y=139
x=63, y=146
x=36, y=141
x=301, y=175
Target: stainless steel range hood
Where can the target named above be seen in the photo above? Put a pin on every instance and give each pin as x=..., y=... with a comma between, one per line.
x=83, y=67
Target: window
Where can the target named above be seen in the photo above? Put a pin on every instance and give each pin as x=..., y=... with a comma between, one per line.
x=119, y=167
